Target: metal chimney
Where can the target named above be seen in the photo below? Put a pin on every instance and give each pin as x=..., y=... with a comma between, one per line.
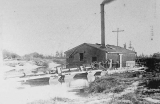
x=102, y=26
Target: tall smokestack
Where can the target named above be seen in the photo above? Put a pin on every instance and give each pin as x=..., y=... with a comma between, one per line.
x=107, y=1
x=102, y=27
x=103, y=22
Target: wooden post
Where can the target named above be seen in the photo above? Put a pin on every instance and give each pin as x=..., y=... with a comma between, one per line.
x=121, y=60
x=117, y=33
x=110, y=66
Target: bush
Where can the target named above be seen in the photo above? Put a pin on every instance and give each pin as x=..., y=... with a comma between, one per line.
x=151, y=80
x=130, y=96
x=102, y=84
x=39, y=62
x=127, y=74
x=113, y=83
x=118, y=89
x=153, y=83
x=133, y=98
x=152, y=64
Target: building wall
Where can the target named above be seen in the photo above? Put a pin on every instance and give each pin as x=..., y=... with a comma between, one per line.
x=88, y=52
x=126, y=57
x=73, y=56
x=115, y=57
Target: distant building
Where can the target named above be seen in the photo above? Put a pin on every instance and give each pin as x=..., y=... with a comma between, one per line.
x=87, y=53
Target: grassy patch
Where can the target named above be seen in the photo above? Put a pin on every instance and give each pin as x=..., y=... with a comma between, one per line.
x=115, y=83
x=118, y=89
x=103, y=84
x=43, y=102
x=130, y=98
x=125, y=99
x=55, y=100
x=149, y=86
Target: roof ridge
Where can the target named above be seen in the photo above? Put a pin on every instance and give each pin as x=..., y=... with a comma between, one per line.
x=108, y=48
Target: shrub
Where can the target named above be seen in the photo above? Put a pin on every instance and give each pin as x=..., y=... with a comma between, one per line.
x=116, y=82
x=151, y=80
x=102, y=84
x=127, y=74
x=118, y=89
x=55, y=100
x=153, y=83
x=152, y=64
x=130, y=96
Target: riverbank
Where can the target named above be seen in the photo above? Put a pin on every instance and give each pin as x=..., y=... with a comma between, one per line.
x=61, y=94
x=123, y=88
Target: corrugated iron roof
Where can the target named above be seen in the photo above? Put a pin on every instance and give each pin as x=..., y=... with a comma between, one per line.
x=108, y=49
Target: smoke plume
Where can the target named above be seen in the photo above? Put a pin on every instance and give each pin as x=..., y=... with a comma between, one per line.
x=107, y=1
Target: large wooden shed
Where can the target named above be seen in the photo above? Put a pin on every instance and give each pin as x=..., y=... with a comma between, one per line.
x=87, y=53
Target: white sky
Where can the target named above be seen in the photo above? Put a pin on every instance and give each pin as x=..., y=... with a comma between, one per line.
x=46, y=26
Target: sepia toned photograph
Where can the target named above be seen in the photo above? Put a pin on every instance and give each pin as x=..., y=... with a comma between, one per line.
x=80, y=52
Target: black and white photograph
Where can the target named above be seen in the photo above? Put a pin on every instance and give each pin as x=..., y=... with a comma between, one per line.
x=80, y=52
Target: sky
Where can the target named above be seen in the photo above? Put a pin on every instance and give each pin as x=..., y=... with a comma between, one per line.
x=47, y=26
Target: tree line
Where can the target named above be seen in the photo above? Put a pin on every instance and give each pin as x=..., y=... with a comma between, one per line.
x=58, y=54
x=11, y=55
